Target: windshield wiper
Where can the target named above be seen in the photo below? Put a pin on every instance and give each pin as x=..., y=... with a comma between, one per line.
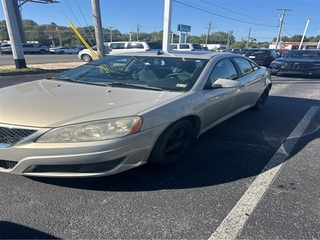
x=130, y=85
x=79, y=81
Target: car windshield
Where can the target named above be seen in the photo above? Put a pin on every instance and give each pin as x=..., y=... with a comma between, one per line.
x=257, y=52
x=143, y=72
x=303, y=54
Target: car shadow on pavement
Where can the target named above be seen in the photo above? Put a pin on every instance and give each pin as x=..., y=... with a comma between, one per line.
x=9, y=230
x=235, y=149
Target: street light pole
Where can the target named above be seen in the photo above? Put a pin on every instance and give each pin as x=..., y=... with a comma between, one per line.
x=102, y=50
x=304, y=33
x=14, y=36
x=110, y=33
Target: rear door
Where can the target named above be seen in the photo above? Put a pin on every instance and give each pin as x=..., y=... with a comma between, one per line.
x=252, y=82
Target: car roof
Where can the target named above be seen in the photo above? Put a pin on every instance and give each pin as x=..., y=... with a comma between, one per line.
x=305, y=50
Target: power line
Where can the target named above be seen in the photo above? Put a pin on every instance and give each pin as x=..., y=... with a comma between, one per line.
x=233, y=11
x=203, y=10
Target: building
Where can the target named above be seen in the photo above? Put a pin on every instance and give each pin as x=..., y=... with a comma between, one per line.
x=295, y=45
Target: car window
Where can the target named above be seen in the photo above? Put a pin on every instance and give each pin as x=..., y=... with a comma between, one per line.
x=184, y=46
x=173, y=46
x=245, y=65
x=223, y=69
x=155, y=45
x=135, y=45
x=197, y=46
x=117, y=45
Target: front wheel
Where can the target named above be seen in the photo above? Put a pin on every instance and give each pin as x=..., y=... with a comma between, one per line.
x=42, y=51
x=172, y=144
x=86, y=58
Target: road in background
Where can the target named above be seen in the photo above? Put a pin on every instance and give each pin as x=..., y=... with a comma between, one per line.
x=194, y=198
x=7, y=59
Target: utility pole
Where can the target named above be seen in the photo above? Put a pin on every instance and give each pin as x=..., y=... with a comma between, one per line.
x=228, y=39
x=138, y=29
x=247, y=46
x=110, y=33
x=304, y=33
x=14, y=35
x=98, y=28
x=59, y=36
x=281, y=20
x=209, y=26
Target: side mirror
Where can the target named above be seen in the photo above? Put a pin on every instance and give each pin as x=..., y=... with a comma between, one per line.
x=225, y=83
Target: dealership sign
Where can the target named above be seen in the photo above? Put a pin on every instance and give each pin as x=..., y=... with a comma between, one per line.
x=184, y=28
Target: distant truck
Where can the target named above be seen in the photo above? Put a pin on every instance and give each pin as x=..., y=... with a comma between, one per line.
x=27, y=48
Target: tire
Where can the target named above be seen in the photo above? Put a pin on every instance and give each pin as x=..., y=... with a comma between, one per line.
x=262, y=99
x=86, y=58
x=42, y=51
x=61, y=52
x=172, y=144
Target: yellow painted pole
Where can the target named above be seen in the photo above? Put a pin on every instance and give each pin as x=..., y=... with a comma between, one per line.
x=94, y=54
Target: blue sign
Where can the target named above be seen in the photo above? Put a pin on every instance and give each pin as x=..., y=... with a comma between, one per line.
x=184, y=28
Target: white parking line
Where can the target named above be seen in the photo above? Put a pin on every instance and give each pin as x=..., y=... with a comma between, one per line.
x=235, y=220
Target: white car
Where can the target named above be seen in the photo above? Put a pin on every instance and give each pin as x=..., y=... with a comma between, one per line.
x=186, y=47
x=65, y=50
x=114, y=48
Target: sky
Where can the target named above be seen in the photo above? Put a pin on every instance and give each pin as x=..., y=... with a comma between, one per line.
x=257, y=19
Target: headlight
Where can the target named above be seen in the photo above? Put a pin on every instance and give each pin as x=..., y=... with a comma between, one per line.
x=276, y=62
x=93, y=131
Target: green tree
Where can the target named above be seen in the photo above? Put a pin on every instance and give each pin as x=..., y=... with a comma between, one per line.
x=3, y=31
x=296, y=38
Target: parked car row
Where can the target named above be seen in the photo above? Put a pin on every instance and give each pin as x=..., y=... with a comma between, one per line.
x=65, y=50
x=262, y=56
x=35, y=48
x=280, y=62
x=124, y=47
x=26, y=47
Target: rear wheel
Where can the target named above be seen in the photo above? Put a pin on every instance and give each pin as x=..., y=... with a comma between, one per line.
x=42, y=51
x=263, y=98
x=86, y=58
x=172, y=144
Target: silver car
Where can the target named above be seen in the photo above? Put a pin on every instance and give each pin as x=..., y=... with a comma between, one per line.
x=123, y=111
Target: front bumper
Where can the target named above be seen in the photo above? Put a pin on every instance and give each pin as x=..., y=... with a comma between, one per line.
x=296, y=69
x=86, y=159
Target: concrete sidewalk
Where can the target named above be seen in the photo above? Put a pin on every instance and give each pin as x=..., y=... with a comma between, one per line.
x=48, y=66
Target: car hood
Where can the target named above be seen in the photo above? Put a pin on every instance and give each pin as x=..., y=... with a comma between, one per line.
x=51, y=103
x=296, y=60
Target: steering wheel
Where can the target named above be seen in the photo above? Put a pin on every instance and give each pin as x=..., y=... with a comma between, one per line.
x=176, y=75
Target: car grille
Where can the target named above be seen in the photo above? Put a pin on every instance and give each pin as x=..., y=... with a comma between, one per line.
x=10, y=136
x=78, y=168
x=297, y=67
x=57, y=168
x=7, y=164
